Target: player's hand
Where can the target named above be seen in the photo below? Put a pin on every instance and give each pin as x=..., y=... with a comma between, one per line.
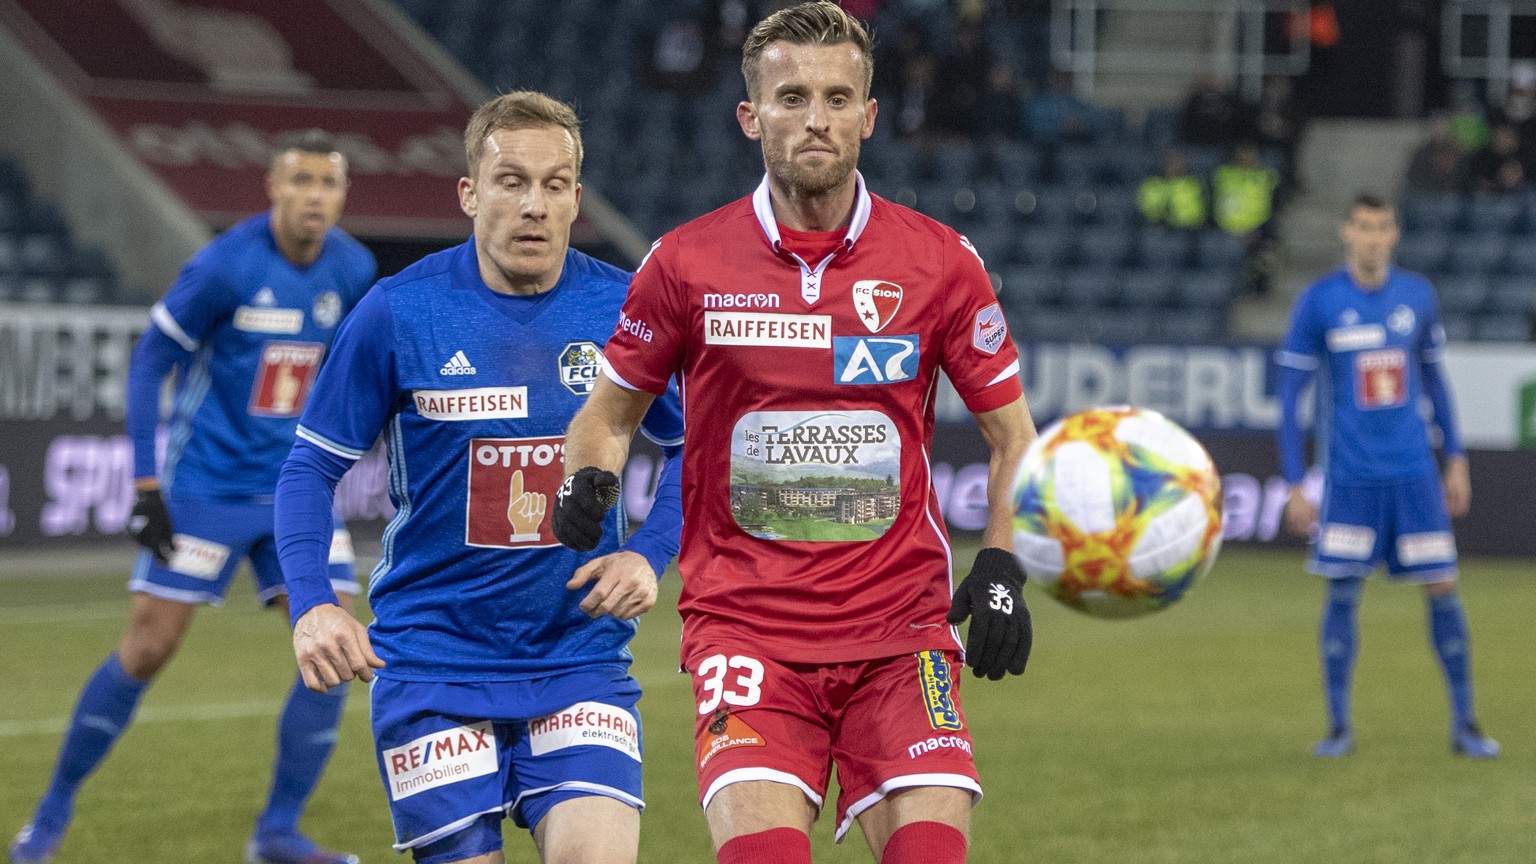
x=992, y=596
x=1300, y=514
x=623, y=585
x=581, y=504
x=331, y=647
x=1458, y=487
x=150, y=524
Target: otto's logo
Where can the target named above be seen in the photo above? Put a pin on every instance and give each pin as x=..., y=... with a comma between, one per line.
x=741, y=301
x=637, y=329
x=283, y=379
x=874, y=359
x=876, y=302
x=991, y=329
x=938, y=687
x=1381, y=378
x=580, y=364
x=440, y=758
x=510, y=483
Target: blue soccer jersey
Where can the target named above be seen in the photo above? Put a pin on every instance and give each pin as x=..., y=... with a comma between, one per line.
x=473, y=391
x=258, y=326
x=1376, y=352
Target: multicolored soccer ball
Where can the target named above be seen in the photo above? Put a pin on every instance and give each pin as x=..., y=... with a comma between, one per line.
x=1117, y=511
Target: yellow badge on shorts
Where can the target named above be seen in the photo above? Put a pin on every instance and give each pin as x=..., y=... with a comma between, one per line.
x=937, y=691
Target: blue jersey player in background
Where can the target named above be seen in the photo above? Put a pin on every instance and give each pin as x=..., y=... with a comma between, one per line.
x=1372, y=335
x=503, y=681
x=246, y=327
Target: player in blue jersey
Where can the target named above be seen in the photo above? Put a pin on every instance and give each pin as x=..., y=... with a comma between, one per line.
x=502, y=685
x=1372, y=335
x=245, y=326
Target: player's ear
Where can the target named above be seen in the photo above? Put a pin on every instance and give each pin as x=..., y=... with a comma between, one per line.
x=578, y=197
x=871, y=108
x=746, y=116
x=467, y=201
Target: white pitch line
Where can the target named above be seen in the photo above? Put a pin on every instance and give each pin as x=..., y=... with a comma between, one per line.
x=152, y=714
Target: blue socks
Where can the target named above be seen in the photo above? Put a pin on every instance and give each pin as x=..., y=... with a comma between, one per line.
x=106, y=706
x=1338, y=645
x=1448, y=634
x=306, y=734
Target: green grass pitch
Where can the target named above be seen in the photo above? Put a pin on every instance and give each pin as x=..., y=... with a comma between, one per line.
x=1182, y=737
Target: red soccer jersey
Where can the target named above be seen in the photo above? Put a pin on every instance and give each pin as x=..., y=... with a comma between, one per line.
x=811, y=530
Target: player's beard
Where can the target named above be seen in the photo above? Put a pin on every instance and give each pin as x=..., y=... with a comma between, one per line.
x=807, y=181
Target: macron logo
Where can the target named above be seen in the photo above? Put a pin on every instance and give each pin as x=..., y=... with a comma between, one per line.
x=458, y=364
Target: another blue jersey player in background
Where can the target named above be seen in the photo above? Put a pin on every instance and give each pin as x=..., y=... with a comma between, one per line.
x=246, y=327
x=503, y=683
x=1373, y=333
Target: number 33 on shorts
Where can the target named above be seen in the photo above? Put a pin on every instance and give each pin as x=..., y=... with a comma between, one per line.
x=733, y=680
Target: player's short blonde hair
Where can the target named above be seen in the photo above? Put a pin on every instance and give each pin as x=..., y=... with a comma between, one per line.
x=818, y=23
x=521, y=109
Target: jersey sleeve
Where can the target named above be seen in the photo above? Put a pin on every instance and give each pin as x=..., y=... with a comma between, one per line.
x=202, y=297
x=356, y=390
x=977, y=353
x=1299, y=357
x=1437, y=385
x=647, y=345
x=1304, y=346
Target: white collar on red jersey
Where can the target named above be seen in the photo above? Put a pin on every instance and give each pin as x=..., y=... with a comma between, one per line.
x=763, y=207
x=810, y=277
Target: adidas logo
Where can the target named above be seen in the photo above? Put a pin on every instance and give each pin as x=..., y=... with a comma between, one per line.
x=458, y=364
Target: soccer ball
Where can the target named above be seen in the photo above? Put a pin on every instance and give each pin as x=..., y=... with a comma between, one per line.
x=1117, y=511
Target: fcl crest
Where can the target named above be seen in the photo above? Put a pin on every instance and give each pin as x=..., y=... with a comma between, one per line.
x=580, y=364
x=876, y=301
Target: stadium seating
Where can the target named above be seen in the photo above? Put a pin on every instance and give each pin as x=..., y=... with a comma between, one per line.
x=1057, y=224
x=39, y=262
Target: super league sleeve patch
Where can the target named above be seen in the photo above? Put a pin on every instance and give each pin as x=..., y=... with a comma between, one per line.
x=990, y=330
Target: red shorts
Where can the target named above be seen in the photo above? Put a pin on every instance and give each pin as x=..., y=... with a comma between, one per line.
x=887, y=724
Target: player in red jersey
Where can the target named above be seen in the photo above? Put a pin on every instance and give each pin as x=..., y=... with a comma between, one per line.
x=807, y=324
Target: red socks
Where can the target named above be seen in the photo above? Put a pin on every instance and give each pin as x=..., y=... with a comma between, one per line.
x=914, y=843
x=924, y=843
x=777, y=846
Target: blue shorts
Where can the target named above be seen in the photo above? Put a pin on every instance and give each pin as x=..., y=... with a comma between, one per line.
x=449, y=753
x=212, y=537
x=1402, y=523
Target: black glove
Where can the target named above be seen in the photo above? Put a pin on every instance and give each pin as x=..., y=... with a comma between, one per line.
x=150, y=524
x=992, y=596
x=581, y=504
